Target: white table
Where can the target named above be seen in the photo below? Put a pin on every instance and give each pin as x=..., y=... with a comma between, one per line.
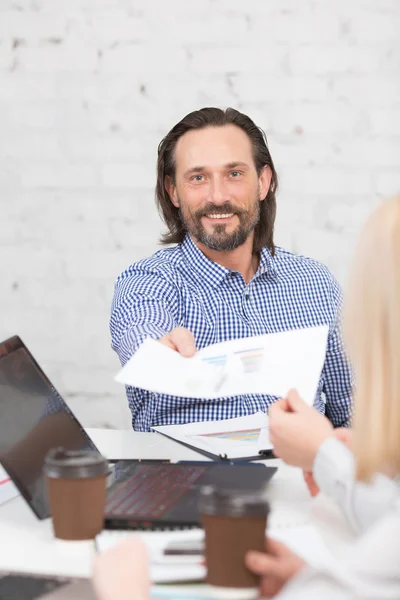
x=27, y=544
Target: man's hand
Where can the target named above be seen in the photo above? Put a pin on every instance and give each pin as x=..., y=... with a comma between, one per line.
x=297, y=430
x=122, y=572
x=276, y=567
x=181, y=340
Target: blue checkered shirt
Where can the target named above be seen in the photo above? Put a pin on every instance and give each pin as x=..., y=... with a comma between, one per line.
x=180, y=287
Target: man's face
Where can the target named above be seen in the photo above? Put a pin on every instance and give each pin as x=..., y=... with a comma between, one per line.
x=217, y=189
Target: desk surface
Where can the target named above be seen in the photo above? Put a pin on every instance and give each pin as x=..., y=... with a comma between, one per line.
x=27, y=544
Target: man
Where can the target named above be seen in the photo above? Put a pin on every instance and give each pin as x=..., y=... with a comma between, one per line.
x=224, y=278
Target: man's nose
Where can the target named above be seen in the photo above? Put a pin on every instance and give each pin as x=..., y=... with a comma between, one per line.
x=218, y=191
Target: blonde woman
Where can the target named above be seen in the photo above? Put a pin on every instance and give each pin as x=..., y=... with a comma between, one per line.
x=364, y=486
x=363, y=483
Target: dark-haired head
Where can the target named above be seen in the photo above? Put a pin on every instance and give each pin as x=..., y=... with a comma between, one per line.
x=261, y=215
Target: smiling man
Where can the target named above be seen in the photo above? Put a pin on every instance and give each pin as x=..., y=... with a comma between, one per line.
x=224, y=278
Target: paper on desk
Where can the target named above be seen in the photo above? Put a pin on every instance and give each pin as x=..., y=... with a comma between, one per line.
x=305, y=540
x=163, y=568
x=266, y=364
x=7, y=488
x=240, y=437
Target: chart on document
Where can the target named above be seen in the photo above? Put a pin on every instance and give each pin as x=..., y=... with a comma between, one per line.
x=235, y=438
x=250, y=360
x=246, y=435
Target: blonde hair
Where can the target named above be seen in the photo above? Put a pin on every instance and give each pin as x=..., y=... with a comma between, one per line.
x=372, y=330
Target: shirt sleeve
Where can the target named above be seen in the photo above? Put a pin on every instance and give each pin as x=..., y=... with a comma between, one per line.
x=367, y=571
x=362, y=504
x=337, y=373
x=144, y=306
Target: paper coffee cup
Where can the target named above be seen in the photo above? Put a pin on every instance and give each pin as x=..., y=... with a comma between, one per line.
x=76, y=486
x=234, y=522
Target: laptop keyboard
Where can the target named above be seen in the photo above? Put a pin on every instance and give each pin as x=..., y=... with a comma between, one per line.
x=151, y=491
x=27, y=587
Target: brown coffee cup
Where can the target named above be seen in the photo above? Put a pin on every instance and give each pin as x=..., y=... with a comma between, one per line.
x=76, y=486
x=234, y=522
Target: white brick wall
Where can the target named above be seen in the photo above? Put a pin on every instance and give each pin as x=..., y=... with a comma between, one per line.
x=87, y=90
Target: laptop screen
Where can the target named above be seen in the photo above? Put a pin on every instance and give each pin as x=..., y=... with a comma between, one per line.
x=33, y=419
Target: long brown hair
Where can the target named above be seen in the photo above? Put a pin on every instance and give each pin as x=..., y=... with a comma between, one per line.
x=215, y=117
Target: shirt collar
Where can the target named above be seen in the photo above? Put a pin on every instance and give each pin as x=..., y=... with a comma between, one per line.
x=213, y=273
x=267, y=264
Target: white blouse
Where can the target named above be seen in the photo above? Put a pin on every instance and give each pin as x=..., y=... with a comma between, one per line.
x=370, y=569
x=361, y=503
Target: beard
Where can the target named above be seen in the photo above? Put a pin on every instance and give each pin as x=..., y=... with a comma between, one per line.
x=219, y=239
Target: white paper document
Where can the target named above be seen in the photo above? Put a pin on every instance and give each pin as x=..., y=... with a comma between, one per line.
x=305, y=540
x=163, y=568
x=241, y=437
x=267, y=364
x=7, y=488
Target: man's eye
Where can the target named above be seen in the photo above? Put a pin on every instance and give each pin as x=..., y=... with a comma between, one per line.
x=235, y=173
x=197, y=178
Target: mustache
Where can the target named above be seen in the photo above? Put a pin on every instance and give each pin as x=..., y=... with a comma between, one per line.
x=221, y=209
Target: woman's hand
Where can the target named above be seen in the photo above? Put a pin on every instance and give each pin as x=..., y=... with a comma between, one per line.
x=122, y=572
x=342, y=434
x=276, y=567
x=310, y=483
x=297, y=430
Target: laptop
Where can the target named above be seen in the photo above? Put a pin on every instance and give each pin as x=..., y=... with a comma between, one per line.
x=140, y=495
x=24, y=586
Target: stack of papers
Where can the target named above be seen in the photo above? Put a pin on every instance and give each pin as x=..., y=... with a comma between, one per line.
x=239, y=438
x=305, y=540
x=163, y=567
x=267, y=364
